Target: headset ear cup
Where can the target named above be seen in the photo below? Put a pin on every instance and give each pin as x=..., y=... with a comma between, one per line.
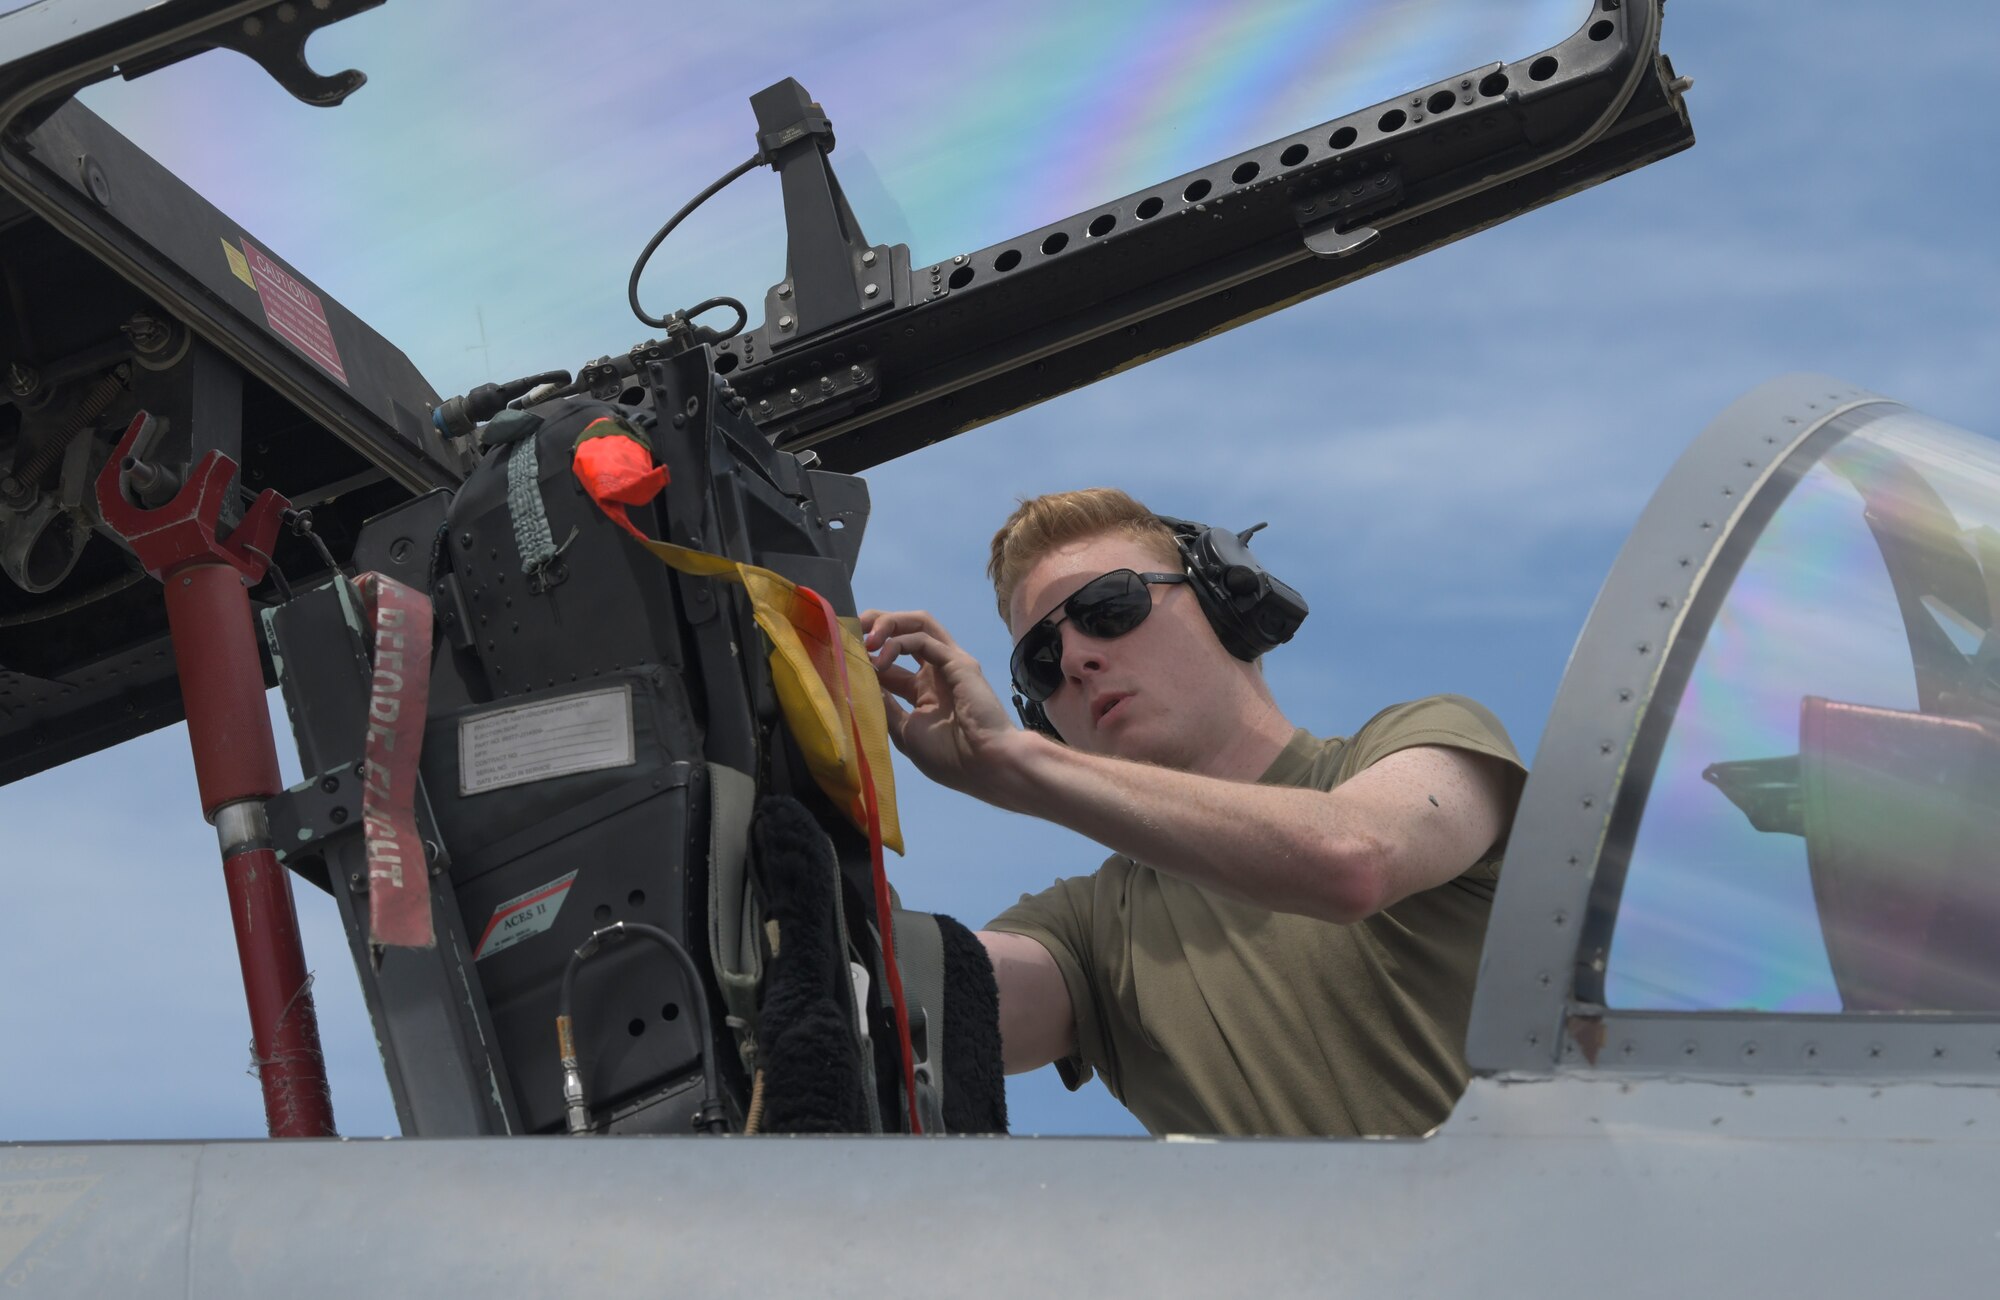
x=1209, y=575
x=1188, y=538
x=1250, y=615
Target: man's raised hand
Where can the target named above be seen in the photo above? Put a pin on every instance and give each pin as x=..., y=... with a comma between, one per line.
x=954, y=729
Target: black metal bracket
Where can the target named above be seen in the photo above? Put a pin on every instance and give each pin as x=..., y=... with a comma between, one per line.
x=1073, y=302
x=1333, y=215
x=322, y=808
x=275, y=38
x=312, y=812
x=822, y=397
x=832, y=273
x=430, y=1015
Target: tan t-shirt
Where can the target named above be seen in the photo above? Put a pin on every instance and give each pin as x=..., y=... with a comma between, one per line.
x=1209, y=1015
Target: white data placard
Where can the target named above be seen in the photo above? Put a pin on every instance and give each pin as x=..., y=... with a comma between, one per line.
x=533, y=742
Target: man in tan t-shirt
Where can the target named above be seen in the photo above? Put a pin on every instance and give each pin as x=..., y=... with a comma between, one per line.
x=1286, y=936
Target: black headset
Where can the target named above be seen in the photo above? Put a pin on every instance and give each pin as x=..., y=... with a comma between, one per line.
x=1250, y=610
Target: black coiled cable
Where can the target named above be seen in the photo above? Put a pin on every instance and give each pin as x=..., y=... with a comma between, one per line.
x=632, y=285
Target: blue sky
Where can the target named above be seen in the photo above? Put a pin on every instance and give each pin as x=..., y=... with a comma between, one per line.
x=1449, y=453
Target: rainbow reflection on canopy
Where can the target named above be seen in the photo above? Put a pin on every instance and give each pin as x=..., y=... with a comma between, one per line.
x=957, y=128
x=1819, y=834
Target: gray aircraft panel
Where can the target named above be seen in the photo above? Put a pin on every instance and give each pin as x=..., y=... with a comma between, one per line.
x=1639, y=1187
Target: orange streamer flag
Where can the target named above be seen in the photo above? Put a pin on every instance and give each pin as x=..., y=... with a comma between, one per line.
x=614, y=462
x=825, y=682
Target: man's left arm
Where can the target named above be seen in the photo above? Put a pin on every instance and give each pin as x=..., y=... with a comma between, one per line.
x=1411, y=821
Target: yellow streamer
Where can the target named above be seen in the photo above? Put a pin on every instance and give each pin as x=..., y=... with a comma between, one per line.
x=807, y=677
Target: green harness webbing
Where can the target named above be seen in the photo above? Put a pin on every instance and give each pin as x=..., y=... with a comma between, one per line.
x=920, y=953
x=735, y=948
x=876, y=991
x=525, y=508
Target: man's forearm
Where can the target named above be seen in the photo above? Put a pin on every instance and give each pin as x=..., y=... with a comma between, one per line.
x=1278, y=847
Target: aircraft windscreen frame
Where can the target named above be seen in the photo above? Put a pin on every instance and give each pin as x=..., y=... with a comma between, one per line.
x=1539, y=1004
x=1815, y=837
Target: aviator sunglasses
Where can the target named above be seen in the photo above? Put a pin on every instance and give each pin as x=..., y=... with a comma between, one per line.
x=1105, y=607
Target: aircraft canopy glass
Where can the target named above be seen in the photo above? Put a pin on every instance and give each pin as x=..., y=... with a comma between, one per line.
x=557, y=138
x=1820, y=833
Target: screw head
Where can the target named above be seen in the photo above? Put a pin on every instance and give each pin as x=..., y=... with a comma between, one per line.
x=870, y=290
x=147, y=334
x=784, y=322
x=868, y=257
x=94, y=178
x=784, y=291
x=797, y=396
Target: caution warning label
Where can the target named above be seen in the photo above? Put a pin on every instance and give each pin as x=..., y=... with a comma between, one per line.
x=293, y=311
x=523, y=917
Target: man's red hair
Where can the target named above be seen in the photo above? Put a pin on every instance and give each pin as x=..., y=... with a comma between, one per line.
x=1041, y=524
